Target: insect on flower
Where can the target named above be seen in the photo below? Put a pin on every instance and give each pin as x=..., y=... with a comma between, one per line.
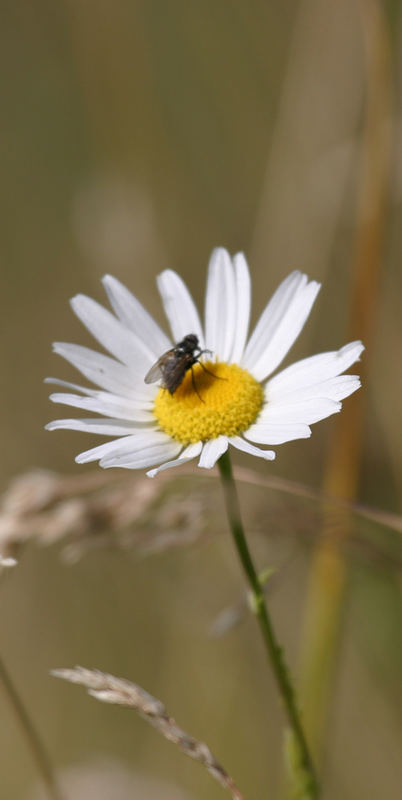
x=172, y=366
x=247, y=404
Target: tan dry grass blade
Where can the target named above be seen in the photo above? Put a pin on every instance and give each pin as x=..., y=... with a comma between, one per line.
x=119, y=691
x=47, y=507
x=382, y=517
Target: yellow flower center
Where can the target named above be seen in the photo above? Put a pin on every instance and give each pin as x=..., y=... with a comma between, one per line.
x=227, y=403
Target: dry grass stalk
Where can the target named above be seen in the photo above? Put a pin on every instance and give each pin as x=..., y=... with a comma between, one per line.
x=110, y=509
x=96, y=509
x=34, y=743
x=119, y=691
x=297, y=489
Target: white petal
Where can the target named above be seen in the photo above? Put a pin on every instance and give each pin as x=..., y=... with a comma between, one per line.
x=315, y=369
x=135, y=317
x=75, y=386
x=243, y=304
x=106, y=427
x=212, y=450
x=107, y=404
x=272, y=315
x=287, y=331
x=220, y=305
x=120, y=447
x=143, y=457
x=305, y=411
x=190, y=452
x=113, y=335
x=280, y=325
x=276, y=434
x=246, y=447
x=332, y=389
x=179, y=307
x=104, y=371
x=95, y=453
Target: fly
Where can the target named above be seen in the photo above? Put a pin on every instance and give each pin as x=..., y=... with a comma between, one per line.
x=172, y=366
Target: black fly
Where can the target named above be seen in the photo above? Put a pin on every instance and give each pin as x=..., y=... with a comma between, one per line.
x=172, y=366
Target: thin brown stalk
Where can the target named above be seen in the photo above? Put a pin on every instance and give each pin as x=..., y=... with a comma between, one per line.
x=297, y=489
x=35, y=745
x=118, y=691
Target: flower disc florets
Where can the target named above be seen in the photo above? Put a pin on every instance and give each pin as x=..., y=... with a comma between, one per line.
x=224, y=401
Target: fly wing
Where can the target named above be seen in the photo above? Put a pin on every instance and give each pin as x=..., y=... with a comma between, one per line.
x=155, y=373
x=161, y=368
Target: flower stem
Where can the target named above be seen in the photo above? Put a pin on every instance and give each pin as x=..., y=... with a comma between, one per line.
x=306, y=784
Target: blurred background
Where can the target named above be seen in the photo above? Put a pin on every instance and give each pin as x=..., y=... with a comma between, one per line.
x=137, y=136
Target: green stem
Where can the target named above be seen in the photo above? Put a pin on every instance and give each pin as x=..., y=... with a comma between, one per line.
x=305, y=778
x=34, y=743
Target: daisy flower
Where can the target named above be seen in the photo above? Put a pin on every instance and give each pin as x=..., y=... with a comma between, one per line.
x=227, y=397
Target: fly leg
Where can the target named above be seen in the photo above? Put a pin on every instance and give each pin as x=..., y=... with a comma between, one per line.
x=218, y=377
x=194, y=385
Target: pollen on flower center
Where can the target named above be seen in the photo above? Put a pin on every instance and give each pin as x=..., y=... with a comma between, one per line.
x=230, y=403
